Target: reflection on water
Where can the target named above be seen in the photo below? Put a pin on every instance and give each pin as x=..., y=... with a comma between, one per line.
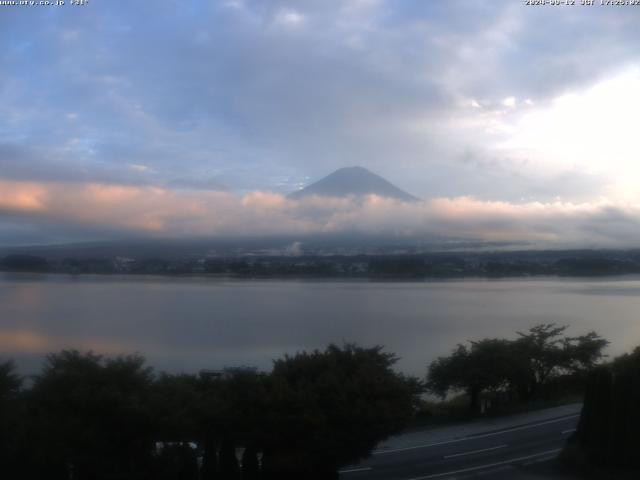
x=188, y=324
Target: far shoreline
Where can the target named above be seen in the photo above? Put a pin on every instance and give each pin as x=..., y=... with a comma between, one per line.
x=318, y=279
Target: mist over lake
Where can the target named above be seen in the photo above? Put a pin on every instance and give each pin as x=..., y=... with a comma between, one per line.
x=186, y=324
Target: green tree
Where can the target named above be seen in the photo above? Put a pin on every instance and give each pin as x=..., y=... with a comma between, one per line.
x=230, y=410
x=329, y=408
x=250, y=464
x=176, y=461
x=173, y=404
x=10, y=418
x=607, y=434
x=523, y=366
x=10, y=381
x=229, y=466
x=89, y=418
x=484, y=366
x=582, y=353
x=209, y=469
x=542, y=354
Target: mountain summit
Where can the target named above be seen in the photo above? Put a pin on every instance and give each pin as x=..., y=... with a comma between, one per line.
x=356, y=181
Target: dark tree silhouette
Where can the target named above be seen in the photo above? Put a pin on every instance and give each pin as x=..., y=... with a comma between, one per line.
x=330, y=408
x=88, y=417
x=250, y=465
x=24, y=263
x=173, y=403
x=484, y=366
x=542, y=353
x=176, y=461
x=10, y=384
x=92, y=418
x=523, y=366
x=607, y=433
x=10, y=381
x=209, y=461
x=229, y=466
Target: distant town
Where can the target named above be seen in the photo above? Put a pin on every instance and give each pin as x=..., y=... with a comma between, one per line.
x=376, y=266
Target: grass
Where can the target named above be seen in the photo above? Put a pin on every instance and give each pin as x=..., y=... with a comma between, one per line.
x=456, y=409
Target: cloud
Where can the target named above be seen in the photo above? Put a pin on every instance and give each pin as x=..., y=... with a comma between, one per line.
x=21, y=341
x=289, y=18
x=591, y=129
x=138, y=211
x=446, y=99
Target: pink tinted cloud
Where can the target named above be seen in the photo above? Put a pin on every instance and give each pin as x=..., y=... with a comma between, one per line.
x=175, y=213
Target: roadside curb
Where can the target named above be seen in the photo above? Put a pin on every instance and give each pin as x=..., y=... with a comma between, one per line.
x=477, y=427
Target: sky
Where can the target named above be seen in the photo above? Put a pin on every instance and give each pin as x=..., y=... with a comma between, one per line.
x=196, y=118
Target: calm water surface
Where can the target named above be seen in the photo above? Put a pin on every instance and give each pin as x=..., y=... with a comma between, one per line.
x=188, y=324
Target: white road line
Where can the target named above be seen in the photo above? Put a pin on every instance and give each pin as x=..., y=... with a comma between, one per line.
x=481, y=467
x=571, y=430
x=494, y=470
x=474, y=451
x=540, y=460
x=353, y=470
x=473, y=437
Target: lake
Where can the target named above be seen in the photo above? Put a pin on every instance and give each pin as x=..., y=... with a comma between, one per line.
x=185, y=324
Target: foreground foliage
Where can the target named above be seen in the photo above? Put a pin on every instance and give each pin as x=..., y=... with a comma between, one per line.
x=89, y=417
x=607, y=435
x=516, y=370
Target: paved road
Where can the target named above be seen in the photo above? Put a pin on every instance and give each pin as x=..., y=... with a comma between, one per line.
x=482, y=453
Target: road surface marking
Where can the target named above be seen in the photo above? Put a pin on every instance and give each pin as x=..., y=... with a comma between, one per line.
x=474, y=451
x=489, y=465
x=353, y=470
x=571, y=430
x=539, y=460
x=493, y=470
x=473, y=437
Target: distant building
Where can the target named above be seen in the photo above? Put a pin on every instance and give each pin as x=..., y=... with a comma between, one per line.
x=226, y=372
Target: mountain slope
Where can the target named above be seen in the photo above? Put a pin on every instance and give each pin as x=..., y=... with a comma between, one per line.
x=353, y=181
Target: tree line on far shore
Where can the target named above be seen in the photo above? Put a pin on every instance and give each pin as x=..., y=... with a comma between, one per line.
x=85, y=416
x=326, y=264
